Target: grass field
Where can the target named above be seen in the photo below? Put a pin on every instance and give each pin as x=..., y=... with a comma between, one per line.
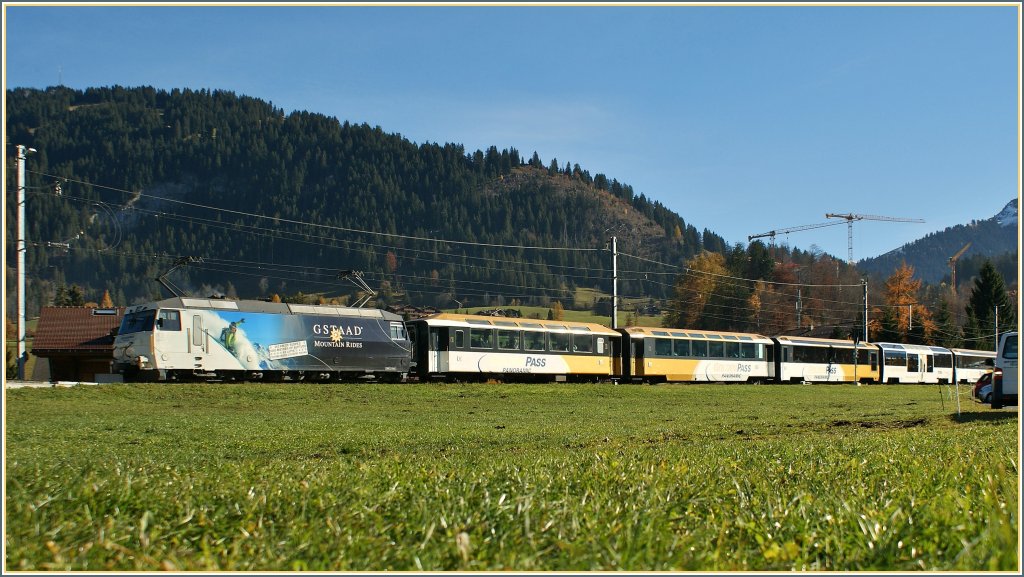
x=506, y=477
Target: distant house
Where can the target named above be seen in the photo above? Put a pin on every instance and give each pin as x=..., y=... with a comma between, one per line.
x=75, y=343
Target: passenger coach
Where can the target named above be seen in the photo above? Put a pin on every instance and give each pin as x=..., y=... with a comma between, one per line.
x=813, y=360
x=969, y=365
x=670, y=355
x=911, y=364
x=453, y=347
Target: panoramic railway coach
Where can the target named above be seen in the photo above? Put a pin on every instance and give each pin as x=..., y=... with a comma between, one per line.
x=969, y=365
x=194, y=338
x=454, y=347
x=813, y=360
x=671, y=355
x=909, y=364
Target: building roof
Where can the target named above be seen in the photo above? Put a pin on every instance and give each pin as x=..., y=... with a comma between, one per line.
x=76, y=329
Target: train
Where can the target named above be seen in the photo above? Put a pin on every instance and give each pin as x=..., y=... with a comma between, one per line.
x=185, y=339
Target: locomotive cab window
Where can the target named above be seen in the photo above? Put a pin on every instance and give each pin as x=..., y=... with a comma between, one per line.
x=141, y=321
x=168, y=321
x=398, y=332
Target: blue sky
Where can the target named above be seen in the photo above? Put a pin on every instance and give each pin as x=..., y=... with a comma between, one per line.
x=741, y=119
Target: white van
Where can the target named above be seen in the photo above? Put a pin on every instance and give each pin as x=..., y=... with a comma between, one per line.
x=1004, y=381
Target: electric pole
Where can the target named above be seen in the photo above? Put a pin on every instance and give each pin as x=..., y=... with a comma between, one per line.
x=22, y=247
x=615, y=283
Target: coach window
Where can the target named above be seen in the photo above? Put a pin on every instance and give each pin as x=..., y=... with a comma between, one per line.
x=699, y=348
x=663, y=347
x=732, y=350
x=481, y=338
x=895, y=359
x=168, y=321
x=460, y=339
x=583, y=343
x=681, y=348
x=508, y=340
x=716, y=350
x=748, y=351
x=913, y=363
x=533, y=341
x=558, y=342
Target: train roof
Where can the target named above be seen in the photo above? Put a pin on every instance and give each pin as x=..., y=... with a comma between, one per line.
x=641, y=332
x=816, y=342
x=459, y=320
x=974, y=353
x=918, y=348
x=254, y=306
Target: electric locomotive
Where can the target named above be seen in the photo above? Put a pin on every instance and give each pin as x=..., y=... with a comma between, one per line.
x=185, y=338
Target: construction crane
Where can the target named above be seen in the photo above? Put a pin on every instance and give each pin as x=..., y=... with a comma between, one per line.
x=772, y=233
x=852, y=217
x=952, y=265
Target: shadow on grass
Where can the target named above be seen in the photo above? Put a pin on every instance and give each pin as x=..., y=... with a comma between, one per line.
x=985, y=416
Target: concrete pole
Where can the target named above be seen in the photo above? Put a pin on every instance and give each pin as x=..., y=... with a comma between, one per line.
x=997, y=330
x=22, y=248
x=864, y=337
x=615, y=283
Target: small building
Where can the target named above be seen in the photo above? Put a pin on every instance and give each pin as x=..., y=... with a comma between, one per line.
x=75, y=343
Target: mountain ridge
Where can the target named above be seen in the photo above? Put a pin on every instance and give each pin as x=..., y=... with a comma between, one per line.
x=993, y=238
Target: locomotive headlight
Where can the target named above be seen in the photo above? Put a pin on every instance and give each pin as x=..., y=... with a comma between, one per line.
x=143, y=362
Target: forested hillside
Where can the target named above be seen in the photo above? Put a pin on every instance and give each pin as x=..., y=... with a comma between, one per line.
x=127, y=183
x=132, y=179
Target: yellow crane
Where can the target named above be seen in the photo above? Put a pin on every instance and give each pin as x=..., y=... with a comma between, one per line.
x=850, y=217
x=952, y=265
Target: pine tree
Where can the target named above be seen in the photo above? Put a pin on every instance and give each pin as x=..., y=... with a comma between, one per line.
x=989, y=292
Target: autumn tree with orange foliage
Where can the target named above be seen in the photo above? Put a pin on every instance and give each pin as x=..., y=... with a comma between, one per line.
x=694, y=288
x=903, y=319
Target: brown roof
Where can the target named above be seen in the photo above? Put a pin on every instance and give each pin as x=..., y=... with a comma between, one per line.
x=71, y=329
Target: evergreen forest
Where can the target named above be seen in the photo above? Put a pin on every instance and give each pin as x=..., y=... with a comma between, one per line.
x=223, y=194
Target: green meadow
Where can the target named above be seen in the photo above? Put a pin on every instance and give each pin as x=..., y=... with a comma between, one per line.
x=480, y=477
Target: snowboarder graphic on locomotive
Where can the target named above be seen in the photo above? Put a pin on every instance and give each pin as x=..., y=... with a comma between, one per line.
x=229, y=334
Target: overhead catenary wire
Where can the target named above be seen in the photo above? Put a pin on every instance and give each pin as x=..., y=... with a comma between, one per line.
x=444, y=257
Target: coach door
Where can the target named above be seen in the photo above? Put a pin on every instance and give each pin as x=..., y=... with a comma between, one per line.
x=438, y=349
x=639, y=357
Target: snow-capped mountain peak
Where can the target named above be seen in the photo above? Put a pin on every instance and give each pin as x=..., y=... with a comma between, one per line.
x=1008, y=216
